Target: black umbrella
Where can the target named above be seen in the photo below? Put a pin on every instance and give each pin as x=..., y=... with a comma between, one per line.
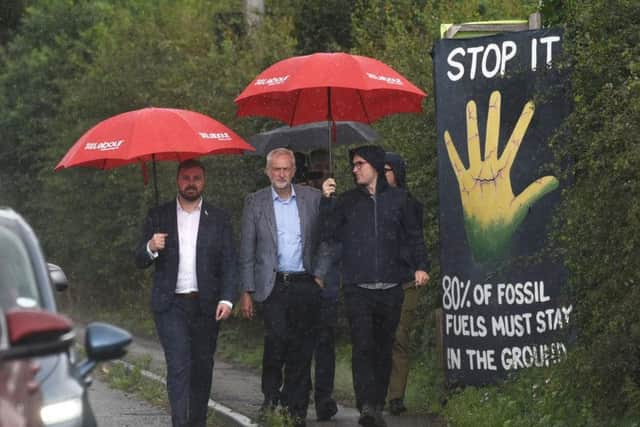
x=312, y=136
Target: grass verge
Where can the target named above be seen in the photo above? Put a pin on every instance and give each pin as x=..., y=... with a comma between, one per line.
x=538, y=397
x=240, y=342
x=131, y=380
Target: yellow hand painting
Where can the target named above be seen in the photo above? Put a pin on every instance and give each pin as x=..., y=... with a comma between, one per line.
x=491, y=211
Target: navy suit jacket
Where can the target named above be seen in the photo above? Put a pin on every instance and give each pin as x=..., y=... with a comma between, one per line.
x=216, y=265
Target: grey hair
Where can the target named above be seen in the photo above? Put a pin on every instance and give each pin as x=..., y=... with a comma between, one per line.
x=281, y=151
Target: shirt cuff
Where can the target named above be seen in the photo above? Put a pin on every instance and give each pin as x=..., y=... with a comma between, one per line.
x=152, y=255
x=225, y=302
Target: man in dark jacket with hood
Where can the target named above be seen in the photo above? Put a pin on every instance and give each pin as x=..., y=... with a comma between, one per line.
x=395, y=173
x=372, y=234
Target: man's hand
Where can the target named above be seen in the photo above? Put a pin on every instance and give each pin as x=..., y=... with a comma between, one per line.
x=328, y=187
x=319, y=282
x=246, y=306
x=422, y=277
x=222, y=311
x=157, y=242
x=491, y=211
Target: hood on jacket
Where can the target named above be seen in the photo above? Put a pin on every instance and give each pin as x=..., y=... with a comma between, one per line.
x=399, y=167
x=374, y=154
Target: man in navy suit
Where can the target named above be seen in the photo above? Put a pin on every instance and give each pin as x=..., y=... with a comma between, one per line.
x=190, y=242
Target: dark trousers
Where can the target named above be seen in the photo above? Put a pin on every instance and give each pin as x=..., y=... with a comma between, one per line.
x=291, y=319
x=325, y=351
x=188, y=338
x=373, y=317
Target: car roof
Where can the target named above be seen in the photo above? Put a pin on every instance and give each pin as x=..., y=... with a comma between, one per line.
x=13, y=221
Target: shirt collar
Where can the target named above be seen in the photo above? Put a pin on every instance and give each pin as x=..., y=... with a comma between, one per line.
x=180, y=209
x=275, y=196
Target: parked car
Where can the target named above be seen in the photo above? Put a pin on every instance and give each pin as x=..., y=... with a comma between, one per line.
x=25, y=334
x=26, y=290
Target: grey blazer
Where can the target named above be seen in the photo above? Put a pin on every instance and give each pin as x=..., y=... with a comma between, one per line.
x=259, y=241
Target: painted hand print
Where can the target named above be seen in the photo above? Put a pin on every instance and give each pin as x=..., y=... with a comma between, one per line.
x=492, y=213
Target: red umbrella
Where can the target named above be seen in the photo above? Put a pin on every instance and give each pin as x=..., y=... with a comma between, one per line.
x=152, y=134
x=329, y=86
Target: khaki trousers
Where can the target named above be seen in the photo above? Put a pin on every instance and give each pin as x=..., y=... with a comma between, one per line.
x=400, y=355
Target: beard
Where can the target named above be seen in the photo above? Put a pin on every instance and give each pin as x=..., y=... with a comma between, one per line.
x=281, y=185
x=190, y=194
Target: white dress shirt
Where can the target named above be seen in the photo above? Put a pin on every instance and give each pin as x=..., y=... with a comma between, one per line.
x=188, y=224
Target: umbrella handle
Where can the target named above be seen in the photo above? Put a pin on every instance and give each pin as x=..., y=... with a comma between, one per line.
x=155, y=222
x=155, y=179
x=145, y=174
x=331, y=125
x=145, y=177
x=333, y=131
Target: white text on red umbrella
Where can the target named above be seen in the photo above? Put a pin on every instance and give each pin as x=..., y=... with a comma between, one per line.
x=104, y=146
x=390, y=80
x=221, y=136
x=273, y=81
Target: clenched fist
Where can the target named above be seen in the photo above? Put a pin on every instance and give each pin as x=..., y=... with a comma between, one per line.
x=328, y=187
x=157, y=242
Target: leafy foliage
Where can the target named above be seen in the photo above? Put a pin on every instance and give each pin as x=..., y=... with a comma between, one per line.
x=323, y=26
x=76, y=63
x=600, y=217
x=535, y=398
x=10, y=13
x=68, y=64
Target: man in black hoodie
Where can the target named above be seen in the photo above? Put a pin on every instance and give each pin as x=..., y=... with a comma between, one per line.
x=395, y=173
x=372, y=234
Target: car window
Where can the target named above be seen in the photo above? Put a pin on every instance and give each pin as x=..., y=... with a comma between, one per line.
x=18, y=287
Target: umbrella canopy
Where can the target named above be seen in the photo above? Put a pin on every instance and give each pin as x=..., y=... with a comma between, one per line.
x=152, y=134
x=329, y=86
x=311, y=136
x=160, y=133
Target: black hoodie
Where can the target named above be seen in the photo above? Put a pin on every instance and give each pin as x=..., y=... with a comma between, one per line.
x=373, y=238
x=399, y=167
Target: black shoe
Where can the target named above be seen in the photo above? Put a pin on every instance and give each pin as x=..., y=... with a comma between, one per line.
x=326, y=409
x=367, y=416
x=379, y=419
x=396, y=407
x=268, y=406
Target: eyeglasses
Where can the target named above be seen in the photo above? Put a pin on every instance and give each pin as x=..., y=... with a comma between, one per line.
x=359, y=164
x=388, y=170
